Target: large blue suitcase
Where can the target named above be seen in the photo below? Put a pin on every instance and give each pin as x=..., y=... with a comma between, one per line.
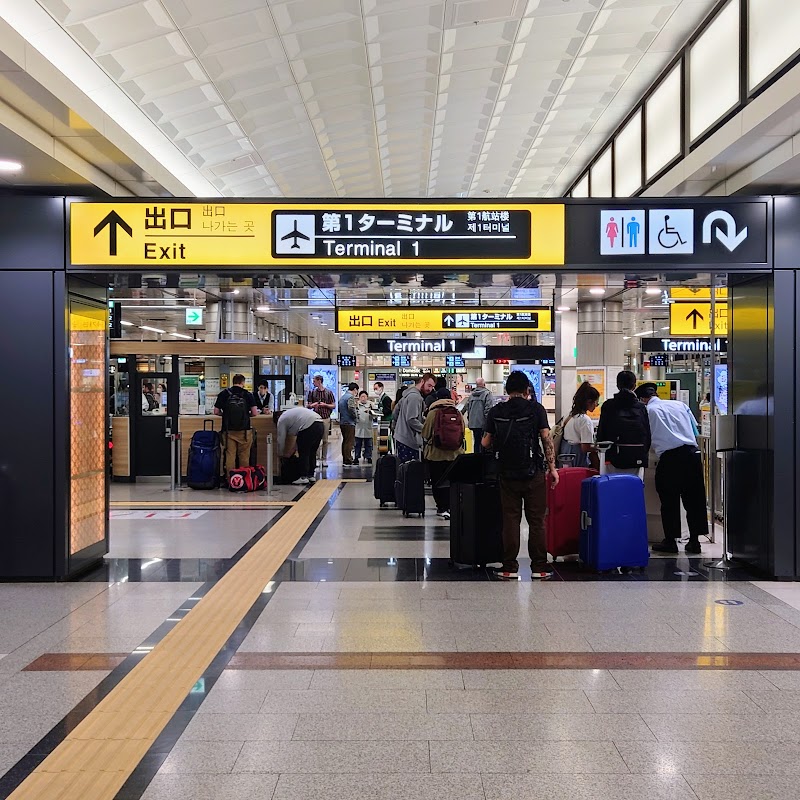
x=205, y=453
x=613, y=522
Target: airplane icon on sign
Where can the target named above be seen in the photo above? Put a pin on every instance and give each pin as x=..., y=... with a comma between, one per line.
x=295, y=235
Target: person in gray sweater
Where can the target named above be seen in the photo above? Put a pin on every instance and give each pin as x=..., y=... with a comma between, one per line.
x=408, y=419
x=478, y=405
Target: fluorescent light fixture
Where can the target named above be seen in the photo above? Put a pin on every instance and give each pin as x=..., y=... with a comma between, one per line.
x=148, y=328
x=563, y=308
x=40, y=31
x=665, y=328
x=625, y=338
x=262, y=309
x=181, y=335
x=10, y=166
x=236, y=291
x=644, y=333
x=652, y=291
x=126, y=323
x=597, y=290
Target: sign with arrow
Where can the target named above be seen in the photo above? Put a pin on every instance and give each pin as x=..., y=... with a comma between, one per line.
x=466, y=320
x=723, y=225
x=194, y=316
x=694, y=319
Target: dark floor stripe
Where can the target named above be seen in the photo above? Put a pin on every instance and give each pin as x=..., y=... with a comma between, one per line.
x=528, y=660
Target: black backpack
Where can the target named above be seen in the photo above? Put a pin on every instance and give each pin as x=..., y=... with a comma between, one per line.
x=236, y=414
x=516, y=446
x=630, y=430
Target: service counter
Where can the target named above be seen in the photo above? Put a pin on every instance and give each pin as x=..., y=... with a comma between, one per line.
x=261, y=427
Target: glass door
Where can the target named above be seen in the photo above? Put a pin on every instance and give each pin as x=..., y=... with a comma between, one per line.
x=155, y=409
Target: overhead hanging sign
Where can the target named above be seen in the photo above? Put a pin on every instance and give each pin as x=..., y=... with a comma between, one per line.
x=420, y=345
x=371, y=320
x=193, y=233
x=696, y=345
x=694, y=319
x=697, y=293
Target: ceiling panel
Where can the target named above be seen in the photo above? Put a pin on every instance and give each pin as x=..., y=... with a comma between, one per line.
x=380, y=97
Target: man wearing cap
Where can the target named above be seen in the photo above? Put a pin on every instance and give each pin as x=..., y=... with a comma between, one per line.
x=679, y=474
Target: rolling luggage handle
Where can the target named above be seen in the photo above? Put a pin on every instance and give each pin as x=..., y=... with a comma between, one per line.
x=603, y=448
x=586, y=521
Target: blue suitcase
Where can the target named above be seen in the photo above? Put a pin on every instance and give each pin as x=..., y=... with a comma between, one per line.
x=205, y=454
x=613, y=522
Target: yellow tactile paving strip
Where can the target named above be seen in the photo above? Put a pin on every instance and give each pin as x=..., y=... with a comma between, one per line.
x=95, y=759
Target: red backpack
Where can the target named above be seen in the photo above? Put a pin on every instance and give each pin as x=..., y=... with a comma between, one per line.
x=448, y=428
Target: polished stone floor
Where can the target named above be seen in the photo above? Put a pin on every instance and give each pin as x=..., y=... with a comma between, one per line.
x=370, y=596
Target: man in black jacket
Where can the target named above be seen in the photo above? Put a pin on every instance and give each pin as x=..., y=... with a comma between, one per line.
x=624, y=421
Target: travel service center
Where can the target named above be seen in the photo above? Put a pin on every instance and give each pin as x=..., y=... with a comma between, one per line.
x=60, y=255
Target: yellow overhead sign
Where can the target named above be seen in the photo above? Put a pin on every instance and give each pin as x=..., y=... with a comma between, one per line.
x=294, y=235
x=697, y=293
x=694, y=319
x=388, y=320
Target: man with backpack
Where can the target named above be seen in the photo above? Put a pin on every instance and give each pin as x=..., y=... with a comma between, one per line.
x=443, y=433
x=513, y=431
x=236, y=405
x=624, y=421
x=408, y=414
x=478, y=406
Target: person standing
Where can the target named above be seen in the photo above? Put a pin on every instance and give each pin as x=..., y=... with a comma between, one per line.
x=347, y=423
x=364, y=427
x=430, y=398
x=514, y=430
x=263, y=399
x=236, y=405
x=408, y=415
x=443, y=434
x=625, y=422
x=321, y=400
x=578, y=435
x=478, y=405
x=300, y=428
x=383, y=402
x=679, y=474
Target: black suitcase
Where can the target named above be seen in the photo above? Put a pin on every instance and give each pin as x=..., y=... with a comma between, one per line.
x=476, y=524
x=384, y=478
x=409, y=488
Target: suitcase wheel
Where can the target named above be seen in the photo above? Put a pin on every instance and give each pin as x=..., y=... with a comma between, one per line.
x=382, y=505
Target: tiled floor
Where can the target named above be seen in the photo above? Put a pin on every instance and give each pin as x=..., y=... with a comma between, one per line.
x=344, y=681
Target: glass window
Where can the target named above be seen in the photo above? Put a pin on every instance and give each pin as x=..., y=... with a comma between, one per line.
x=663, y=123
x=601, y=175
x=628, y=158
x=714, y=71
x=581, y=187
x=770, y=45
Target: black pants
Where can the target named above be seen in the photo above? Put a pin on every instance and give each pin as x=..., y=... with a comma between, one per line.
x=679, y=478
x=308, y=442
x=441, y=496
x=477, y=435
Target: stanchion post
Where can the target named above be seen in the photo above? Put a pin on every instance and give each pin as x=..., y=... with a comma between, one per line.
x=270, y=464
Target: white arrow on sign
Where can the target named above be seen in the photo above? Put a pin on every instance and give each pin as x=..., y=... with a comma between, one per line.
x=729, y=238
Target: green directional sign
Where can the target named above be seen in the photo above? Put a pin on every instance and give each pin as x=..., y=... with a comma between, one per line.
x=194, y=316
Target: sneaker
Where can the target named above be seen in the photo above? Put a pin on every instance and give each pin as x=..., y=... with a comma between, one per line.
x=505, y=575
x=542, y=574
x=666, y=546
x=693, y=547
x=312, y=479
x=300, y=482
x=443, y=514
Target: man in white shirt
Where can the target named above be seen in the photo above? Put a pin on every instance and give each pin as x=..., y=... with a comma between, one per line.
x=679, y=474
x=300, y=428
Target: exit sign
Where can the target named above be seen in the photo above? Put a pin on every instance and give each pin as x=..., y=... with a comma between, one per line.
x=194, y=316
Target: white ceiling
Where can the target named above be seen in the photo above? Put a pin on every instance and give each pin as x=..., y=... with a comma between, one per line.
x=383, y=97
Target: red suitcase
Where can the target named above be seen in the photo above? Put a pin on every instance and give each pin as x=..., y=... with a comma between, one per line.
x=563, y=520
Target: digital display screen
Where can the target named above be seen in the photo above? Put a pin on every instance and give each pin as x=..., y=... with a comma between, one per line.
x=454, y=361
x=401, y=361
x=346, y=361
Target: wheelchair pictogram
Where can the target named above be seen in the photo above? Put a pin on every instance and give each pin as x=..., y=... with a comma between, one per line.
x=669, y=237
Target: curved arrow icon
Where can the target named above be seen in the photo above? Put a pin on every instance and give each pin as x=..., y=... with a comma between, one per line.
x=729, y=238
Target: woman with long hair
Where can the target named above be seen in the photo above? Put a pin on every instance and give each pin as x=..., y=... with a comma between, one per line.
x=578, y=434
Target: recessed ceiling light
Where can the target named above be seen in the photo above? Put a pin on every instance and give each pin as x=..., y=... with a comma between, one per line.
x=563, y=308
x=236, y=291
x=10, y=166
x=262, y=309
x=597, y=290
x=652, y=291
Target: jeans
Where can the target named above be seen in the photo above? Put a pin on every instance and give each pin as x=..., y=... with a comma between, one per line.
x=441, y=496
x=532, y=494
x=679, y=478
x=477, y=435
x=326, y=432
x=307, y=444
x=348, y=440
x=362, y=443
